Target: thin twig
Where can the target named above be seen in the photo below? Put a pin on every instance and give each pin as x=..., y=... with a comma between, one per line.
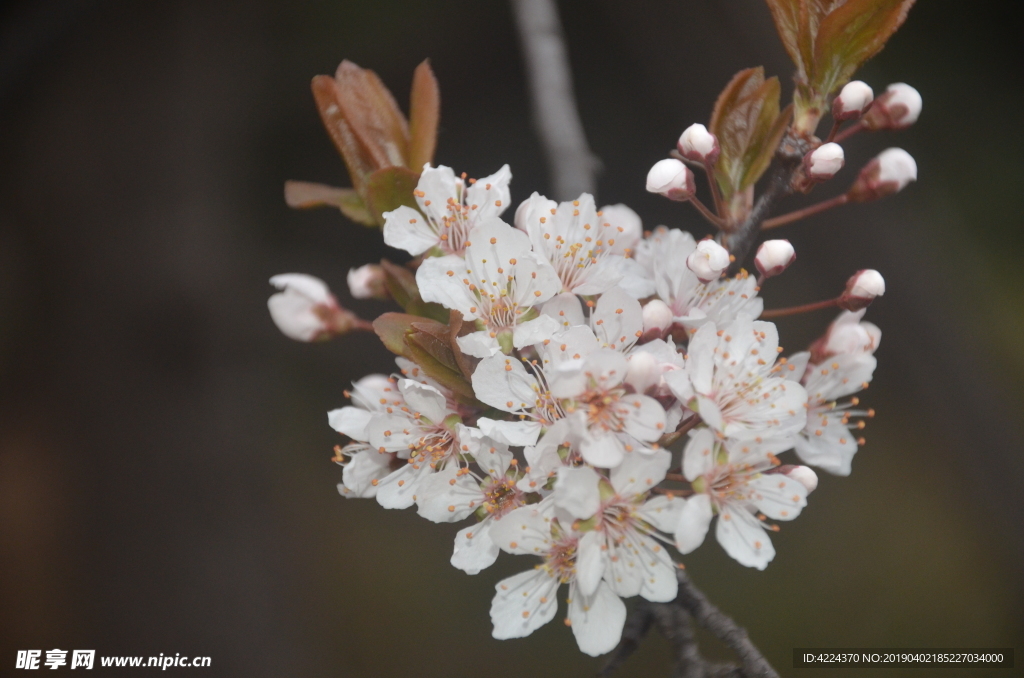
x=573, y=167
x=810, y=210
x=723, y=628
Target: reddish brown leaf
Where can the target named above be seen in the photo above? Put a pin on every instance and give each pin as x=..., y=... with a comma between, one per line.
x=787, y=16
x=852, y=33
x=424, y=116
x=305, y=194
x=360, y=164
x=373, y=115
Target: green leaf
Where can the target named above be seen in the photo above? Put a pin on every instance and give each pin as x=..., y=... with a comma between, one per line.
x=424, y=116
x=850, y=34
x=305, y=194
x=748, y=125
x=388, y=188
x=401, y=284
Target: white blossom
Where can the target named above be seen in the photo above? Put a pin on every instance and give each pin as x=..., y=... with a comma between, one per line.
x=708, y=261
x=448, y=210
x=672, y=179
x=731, y=480
x=497, y=285
x=698, y=144
x=305, y=309
x=824, y=161
x=852, y=100
x=730, y=381
x=774, y=257
x=367, y=282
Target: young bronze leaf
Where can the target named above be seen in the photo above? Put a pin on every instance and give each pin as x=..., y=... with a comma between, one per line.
x=787, y=17
x=388, y=188
x=851, y=34
x=359, y=163
x=373, y=115
x=745, y=120
x=305, y=194
x=424, y=115
x=392, y=328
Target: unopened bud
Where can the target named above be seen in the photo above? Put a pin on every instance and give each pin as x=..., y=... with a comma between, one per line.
x=861, y=290
x=898, y=108
x=642, y=371
x=657, y=317
x=367, y=282
x=698, y=144
x=852, y=101
x=305, y=309
x=823, y=162
x=804, y=476
x=774, y=257
x=672, y=179
x=889, y=172
x=708, y=261
x=849, y=335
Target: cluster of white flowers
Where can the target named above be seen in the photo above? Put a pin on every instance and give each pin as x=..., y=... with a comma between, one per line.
x=594, y=345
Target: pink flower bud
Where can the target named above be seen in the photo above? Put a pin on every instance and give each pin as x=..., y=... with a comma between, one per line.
x=804, y=476
x=672, y=179
x=889, y=172
x=642, y=371
x=898, y=108
x=774, y=257
x=861, y=290
x=367, y=282
x=823, y=162
x=305, y=309
x=852, y=101
x=708, y=261
x=657, y=317
x=698, y=144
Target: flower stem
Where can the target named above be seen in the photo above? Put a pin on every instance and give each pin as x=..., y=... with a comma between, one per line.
x=846, y=133
x=716, y=220
x=793, y=310
x=784, y=219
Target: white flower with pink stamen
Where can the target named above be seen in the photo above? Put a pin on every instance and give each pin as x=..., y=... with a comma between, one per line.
x=526, y=601
x=730, y=381
x=495, y=286
x=732, y=480
x=588, y=248
x=451, y=210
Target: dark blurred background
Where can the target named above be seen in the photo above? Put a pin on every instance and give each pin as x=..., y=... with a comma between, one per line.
x=165, y=474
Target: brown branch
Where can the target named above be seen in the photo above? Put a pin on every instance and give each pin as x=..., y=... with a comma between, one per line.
x=573, y=167
x=675, y=621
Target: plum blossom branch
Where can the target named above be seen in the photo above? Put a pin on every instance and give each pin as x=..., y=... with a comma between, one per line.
x=573, y=167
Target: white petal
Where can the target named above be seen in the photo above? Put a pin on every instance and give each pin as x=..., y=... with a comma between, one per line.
x=479, y=344
x=597, y=620
x=359, y=474
x=743, y=538
x=638, y=473
x=644, y=417
x=397, y=490
x=694, y=521
x=590, y=562
x=617, y=320
x=576, y=491
x=424, y=400
x=523, y=603
x=406, y=229
x=441, y=500
x=662, y=512
x=351, y=421
x=312, y=289
x=534, y=331
x=492, y=456
x=699, y=455
x=293, y=314
x=598, y=278
x=659, y=582
x=566, y=309
x=603, y=450
x=438, y=186
x=778, y=497
x=490, y=194
x=515, y=433
x=442, y=280
x=474, y=548
x=524, y=531
x=633, y=278
x=504, y=383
